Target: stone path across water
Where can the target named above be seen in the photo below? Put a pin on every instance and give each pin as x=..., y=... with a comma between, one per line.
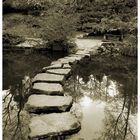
x=48, y=96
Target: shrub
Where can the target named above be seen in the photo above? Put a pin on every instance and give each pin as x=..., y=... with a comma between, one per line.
x=58, y=29
x=129, y=47
x=9, y=39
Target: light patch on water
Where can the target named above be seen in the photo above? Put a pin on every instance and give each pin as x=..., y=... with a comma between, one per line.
x=98, y=108
x=86, y=101
x=133, y=124
x=112, y=89
x=92, y=119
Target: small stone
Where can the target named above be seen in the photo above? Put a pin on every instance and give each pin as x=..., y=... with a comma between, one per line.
x=48, y=89
x=55, y=124
x=45, y=103
x=49, y=78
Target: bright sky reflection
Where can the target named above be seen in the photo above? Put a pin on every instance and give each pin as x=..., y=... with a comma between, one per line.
x=112, y=89
x=86, y=101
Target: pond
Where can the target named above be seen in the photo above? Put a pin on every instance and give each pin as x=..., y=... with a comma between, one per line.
x=105, y=98
x=18, y=64
x=104, y=91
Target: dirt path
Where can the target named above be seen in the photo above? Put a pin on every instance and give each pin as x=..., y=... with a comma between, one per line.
x=86, y=44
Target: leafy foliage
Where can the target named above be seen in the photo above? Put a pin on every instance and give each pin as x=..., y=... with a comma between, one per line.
x=59, y=27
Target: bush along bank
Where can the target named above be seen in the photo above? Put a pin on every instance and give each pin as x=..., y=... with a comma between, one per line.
x=126, y=48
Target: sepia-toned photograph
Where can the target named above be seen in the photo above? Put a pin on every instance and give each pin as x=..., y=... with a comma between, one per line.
x=69, y=70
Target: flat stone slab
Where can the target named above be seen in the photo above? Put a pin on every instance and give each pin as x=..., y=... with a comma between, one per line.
x=56, y=63
x=74, y=57
x=65, y=72
x=48, y=89
x=45, y=103
x=55, y=66
x=67, y=60
x=66, y=66
x=50, y=78
x=70, y=59
x=55, y=124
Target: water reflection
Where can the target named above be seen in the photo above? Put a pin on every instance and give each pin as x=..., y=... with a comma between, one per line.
x=18, y=64
x=18, y=69
x=106, y=107
x=85, y=101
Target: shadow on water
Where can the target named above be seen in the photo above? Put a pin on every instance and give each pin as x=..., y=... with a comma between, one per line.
x=105, y=95
x=18, y=64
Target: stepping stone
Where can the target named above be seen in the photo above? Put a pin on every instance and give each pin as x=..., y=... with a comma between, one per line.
x=66, y=66
x=55, y=124
x=82, y=52
x=48, y=89
x=65, y=72
x=50, y=78
x=56, y=62
x=45, y=103
x=77, y=55
x=55, y=66
x=85, y=54
x=77, y=58
x=69, y=60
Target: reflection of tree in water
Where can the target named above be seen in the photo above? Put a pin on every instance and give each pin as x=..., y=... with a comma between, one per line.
x=118, y=90
x=118, y=121
x=15, y=118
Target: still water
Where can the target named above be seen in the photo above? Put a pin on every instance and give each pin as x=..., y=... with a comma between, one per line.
x=105, y=99
x=18, y=64
x=104, y=92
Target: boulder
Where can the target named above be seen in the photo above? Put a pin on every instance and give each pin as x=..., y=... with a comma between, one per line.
x=47, y=88
x=55, y=124
x=45, y=103
x=49, y=78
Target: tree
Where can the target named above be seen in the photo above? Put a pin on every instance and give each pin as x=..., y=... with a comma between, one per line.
x=59, y=28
